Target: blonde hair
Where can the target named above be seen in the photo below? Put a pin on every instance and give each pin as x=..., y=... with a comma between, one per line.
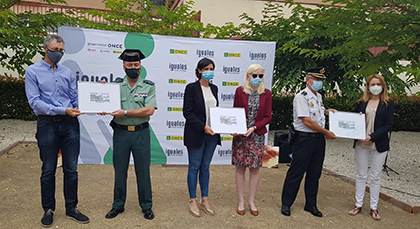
x=247, y=85
x=367, y=94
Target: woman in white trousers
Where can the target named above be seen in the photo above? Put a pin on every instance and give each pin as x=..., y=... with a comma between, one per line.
x=379, y=113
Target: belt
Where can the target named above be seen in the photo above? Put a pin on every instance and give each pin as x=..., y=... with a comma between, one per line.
x=311, y=135
x=129, y=128
x=55, y=118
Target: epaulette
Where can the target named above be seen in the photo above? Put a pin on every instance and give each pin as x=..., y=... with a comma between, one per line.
x=149, y=82
x=118, y=80
x=304, y=93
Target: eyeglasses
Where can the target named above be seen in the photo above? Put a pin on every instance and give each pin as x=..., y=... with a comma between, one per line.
x=57, y=50
x=257, y=75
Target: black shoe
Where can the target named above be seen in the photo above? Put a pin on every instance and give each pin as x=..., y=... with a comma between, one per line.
x=48, y=218
x=148, y=214
x=285, y=210
x=77, y=216
x=113, y=213
x=313, y=210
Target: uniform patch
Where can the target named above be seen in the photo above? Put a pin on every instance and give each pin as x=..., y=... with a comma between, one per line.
x=149, y=82
x=140, y=95
x=311, y=103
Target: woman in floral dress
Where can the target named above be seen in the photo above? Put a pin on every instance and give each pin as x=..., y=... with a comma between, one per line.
x=247, y=149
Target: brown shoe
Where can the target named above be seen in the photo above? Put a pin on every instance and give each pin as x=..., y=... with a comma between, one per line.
x=355, y=211
x=240, y=212
x=375, y=215
x=254, y=213
x=195, y=213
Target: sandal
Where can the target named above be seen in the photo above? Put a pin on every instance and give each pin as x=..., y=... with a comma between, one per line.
x=375, y=215
x=193, y=212
x=355, y=211
x=208, y=211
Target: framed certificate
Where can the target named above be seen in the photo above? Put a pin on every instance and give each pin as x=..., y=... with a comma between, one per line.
x=348, y=124
x=98, y=97
x=228, y=120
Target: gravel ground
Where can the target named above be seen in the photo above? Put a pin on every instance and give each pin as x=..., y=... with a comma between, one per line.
x=404, y=158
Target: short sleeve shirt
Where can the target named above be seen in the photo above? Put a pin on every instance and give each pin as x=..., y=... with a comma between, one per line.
x=307, y=104
x=143, y=94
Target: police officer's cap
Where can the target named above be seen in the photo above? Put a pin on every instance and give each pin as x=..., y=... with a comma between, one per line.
x=131, y=55
x=316, y=72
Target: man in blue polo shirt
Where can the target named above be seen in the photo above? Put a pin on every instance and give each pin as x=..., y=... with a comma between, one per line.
x=51, y=91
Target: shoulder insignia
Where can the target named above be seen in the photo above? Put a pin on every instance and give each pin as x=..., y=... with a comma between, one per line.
x=149, y=82
x=118, y=80
x=304, y=93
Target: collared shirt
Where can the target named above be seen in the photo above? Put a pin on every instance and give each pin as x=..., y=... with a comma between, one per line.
x=143, y=94
x=307, y=104
x=49, y=91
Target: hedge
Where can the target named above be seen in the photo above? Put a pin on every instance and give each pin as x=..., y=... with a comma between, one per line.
x=407, y=108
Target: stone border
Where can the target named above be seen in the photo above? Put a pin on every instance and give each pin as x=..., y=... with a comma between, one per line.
x=395, y=202
x=13, y=145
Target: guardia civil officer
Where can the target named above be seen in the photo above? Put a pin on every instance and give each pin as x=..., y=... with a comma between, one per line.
x=131, y=134
x=308, y=144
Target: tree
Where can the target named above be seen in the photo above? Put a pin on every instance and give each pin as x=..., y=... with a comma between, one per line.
x=145, y=17
x=21, y=35
x=339, y=36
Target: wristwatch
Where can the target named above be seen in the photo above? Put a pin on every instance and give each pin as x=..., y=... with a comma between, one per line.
x=125, y=112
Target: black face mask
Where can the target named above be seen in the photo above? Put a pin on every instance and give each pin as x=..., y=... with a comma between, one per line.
x=133, y=73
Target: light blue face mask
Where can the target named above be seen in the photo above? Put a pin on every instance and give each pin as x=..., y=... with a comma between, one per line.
x=208, y=75
x=255, y=81
x=317, y=85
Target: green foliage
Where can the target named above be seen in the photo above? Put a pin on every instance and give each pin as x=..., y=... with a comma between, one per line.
x=144, y=17
x=24, y=33
x=338, y=37
x=14, y=103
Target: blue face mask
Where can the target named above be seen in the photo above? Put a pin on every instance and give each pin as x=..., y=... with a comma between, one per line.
x=208, y=75
x=54, y=56
x=255, y=81
x=317, y=85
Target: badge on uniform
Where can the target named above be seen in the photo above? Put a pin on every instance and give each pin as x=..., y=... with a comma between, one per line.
x=140, y=95
x=312, y=104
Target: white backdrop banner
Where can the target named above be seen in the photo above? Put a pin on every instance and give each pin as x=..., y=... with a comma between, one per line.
x=170, y=63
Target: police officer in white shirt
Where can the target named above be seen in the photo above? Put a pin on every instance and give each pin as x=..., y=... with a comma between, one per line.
x=308, y=144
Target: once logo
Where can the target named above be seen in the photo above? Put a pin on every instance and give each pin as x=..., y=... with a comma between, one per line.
x=226, y=139
x=224, y=83
x=177, y=81
x=178, y=51
x=175, y=109
x=174, y=138
x=232, y=54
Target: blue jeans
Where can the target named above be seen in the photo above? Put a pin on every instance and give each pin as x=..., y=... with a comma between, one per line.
x=199, y=161
x=53, y=136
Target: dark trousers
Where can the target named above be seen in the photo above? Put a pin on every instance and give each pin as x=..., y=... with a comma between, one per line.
x=53, y=136
x=137, y=142
x=308, y=157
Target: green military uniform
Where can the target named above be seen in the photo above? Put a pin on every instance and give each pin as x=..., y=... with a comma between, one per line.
x=133, y=140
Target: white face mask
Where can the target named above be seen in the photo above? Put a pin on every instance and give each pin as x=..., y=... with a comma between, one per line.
x=376, y=90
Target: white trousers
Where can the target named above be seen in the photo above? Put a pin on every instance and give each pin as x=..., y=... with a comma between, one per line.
x=377, y=159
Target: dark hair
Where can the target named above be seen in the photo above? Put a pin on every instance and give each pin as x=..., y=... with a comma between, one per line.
x=202, y=64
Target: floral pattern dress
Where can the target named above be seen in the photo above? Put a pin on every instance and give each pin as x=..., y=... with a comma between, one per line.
x=248, y=151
